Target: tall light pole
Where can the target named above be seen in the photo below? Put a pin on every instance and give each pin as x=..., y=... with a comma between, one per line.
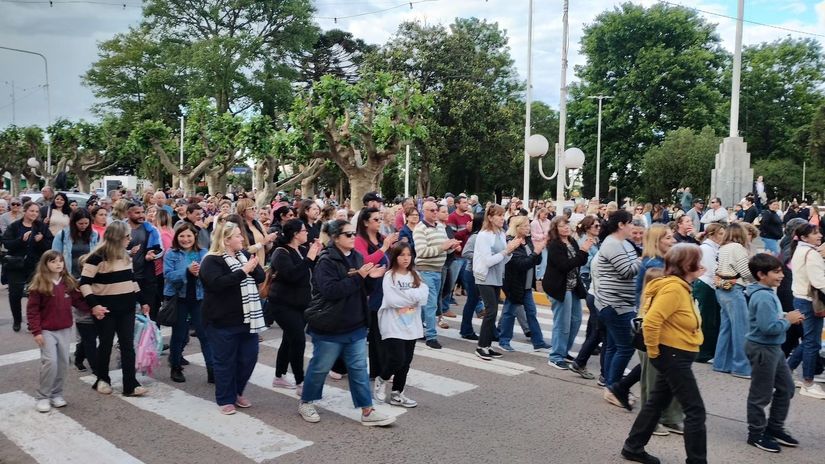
x=180, y=175
x=48, y=105
x=407, y=174
x=560, y=182
x=529, y=102
x=599, y=142
x=737, y=71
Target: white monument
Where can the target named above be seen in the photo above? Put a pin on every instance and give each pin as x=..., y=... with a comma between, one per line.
x=732, y=178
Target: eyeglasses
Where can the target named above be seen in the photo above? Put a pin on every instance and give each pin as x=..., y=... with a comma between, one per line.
x=348, y=234
x=17, y=204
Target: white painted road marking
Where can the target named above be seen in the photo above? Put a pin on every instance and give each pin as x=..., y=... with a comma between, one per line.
x=241, y=433
x=54, y=437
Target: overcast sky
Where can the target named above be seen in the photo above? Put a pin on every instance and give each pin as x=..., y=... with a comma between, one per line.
x=67, y=34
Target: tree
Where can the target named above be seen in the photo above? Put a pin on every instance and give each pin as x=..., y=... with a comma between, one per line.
x=683, y=151
x=359, y=126
x=84, y=149
x=336, y=53
x=816, y=143
x=468, y=70
x=18, y=144
x=782, y=86
x=663, y=66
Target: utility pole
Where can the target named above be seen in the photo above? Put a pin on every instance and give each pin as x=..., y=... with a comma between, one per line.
x=180, y=176
x=599, y=143
x=562, y=179
x=407, y=174
x=13, y=106
x=529, y=103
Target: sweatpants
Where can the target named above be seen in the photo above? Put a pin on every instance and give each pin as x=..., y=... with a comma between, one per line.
x=54, y=360
x=398, y=357
x=771, y=383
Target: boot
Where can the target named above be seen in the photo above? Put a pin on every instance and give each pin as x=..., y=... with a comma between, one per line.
x=210, y=375
x=177, y=375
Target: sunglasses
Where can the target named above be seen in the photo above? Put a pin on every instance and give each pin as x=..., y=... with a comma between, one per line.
x=348, y=234
x=17, y=204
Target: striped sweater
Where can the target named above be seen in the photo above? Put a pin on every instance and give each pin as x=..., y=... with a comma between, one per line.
x=110, y=284
x=616, y=266
x=429, y=240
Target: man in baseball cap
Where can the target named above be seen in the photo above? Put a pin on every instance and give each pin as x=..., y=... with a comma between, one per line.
x=370, y=200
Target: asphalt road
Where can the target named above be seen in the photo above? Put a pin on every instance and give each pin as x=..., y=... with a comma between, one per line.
x=518, y=411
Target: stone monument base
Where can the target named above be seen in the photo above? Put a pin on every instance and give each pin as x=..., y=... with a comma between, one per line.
x=732, y=178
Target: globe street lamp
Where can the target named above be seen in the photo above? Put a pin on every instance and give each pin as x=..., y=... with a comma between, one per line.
x=572, y=158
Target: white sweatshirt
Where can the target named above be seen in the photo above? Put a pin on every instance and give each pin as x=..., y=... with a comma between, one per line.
x=400, y=312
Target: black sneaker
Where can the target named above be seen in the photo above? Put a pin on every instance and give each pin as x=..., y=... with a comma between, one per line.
x=16, y=327
x=528, y=334
x=494, y=354
x=80, y=367
x=472, y=336
x=183, y=361
x=569, y=358
x=642, y=457
x=601, y=382
x=177, y=375
x=482, y=353
x=783, y=438
x=433, y=344
x=765, y=443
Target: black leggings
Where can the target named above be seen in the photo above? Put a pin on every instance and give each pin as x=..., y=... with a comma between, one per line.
x=291, y=352
x=398, y=355
x=374, y=347
x=87, y=348
x=17, y=284
x=121, y=321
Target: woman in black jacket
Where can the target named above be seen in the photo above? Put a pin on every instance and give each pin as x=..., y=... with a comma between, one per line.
x=519, y=281
x=289, y=296
x=26, y=240
x=564, y=286
x=341, y=282
x=770, y=227
x=232, y=314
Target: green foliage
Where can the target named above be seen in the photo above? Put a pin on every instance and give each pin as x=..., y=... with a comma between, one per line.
x=782, y=86
x=783, y=178
x=663, y=65
x=816, y=142
x=684, y=159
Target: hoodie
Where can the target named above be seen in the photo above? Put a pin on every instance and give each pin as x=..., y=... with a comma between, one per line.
x=766, y=321
x=671, y=317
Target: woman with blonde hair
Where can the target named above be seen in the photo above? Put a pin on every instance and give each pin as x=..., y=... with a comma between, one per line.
x=490, y=255
x=732, y=276
x=518, y=283
x=232, y=314
x=108, y=284
x=259, y=242
x=538, y=231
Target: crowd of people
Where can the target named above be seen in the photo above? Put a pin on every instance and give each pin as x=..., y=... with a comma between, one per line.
x=674, y=284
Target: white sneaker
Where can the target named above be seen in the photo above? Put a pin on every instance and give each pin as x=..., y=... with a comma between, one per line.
x=814, y=391
x=103, y=387
x=43, y=405
x=398, y=399
x=282, y=382
x=308, y=412
x=376, y=419
x=58, y=402
x=379, y=391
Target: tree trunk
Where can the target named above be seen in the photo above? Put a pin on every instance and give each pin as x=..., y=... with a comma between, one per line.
x=264, y=172
x=361, y=181
x=308, y=183
x=216, y=182
x=32, y=179
x=14, y=183
x=83, y=179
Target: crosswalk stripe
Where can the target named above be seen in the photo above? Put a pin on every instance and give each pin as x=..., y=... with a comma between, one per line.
x=241, y=433
x=54, y=437
x=335, y=399
x=471, y=360
x=421, y=380
x=517, y=330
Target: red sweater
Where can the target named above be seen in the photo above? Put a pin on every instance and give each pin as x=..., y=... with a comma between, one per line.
x=46, y=312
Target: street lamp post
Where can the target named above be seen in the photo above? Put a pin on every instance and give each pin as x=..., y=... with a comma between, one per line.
x=614, y=178
x=529, y=102
x=407, y=174
x=599, y=143
x=48, y=105
x=180, y=172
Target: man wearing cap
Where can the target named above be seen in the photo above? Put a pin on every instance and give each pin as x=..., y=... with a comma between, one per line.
x=370, y=200
x=695, y=214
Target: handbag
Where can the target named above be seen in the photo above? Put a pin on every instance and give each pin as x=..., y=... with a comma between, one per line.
x=324, y=315
x=638, y=341
x=13, y=263
x=168, y=312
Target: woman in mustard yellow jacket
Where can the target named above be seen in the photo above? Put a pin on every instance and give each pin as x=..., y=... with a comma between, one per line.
x=673, y=334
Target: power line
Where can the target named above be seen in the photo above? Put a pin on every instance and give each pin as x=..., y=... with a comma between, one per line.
x=52, y=3
x=712, y=13
x=33, y=92
x=400, y=5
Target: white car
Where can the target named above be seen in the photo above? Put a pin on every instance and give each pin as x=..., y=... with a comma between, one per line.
x=80, y=198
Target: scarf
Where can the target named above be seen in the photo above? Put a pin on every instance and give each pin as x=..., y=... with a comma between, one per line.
x=252, y=312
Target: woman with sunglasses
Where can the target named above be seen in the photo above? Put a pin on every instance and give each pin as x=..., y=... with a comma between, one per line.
x=14, y=213
x=341, y=273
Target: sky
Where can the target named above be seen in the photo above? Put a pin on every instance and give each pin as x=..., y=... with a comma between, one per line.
x=68, y=34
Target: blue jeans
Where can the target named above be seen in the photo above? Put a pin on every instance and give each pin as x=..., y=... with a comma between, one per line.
x=567, y=318
x=733, y=325
x=234, y=355
x=324, y=354
x=542, y=266
x=808, y=351
x=508, y=318
x=189, y=314
x=433, y=281
x=456, y=268
x=617, y=346
x=771, y=245
x=469, y=284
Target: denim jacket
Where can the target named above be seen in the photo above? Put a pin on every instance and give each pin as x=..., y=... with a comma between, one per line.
x=175, y=266
x=63, y=243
